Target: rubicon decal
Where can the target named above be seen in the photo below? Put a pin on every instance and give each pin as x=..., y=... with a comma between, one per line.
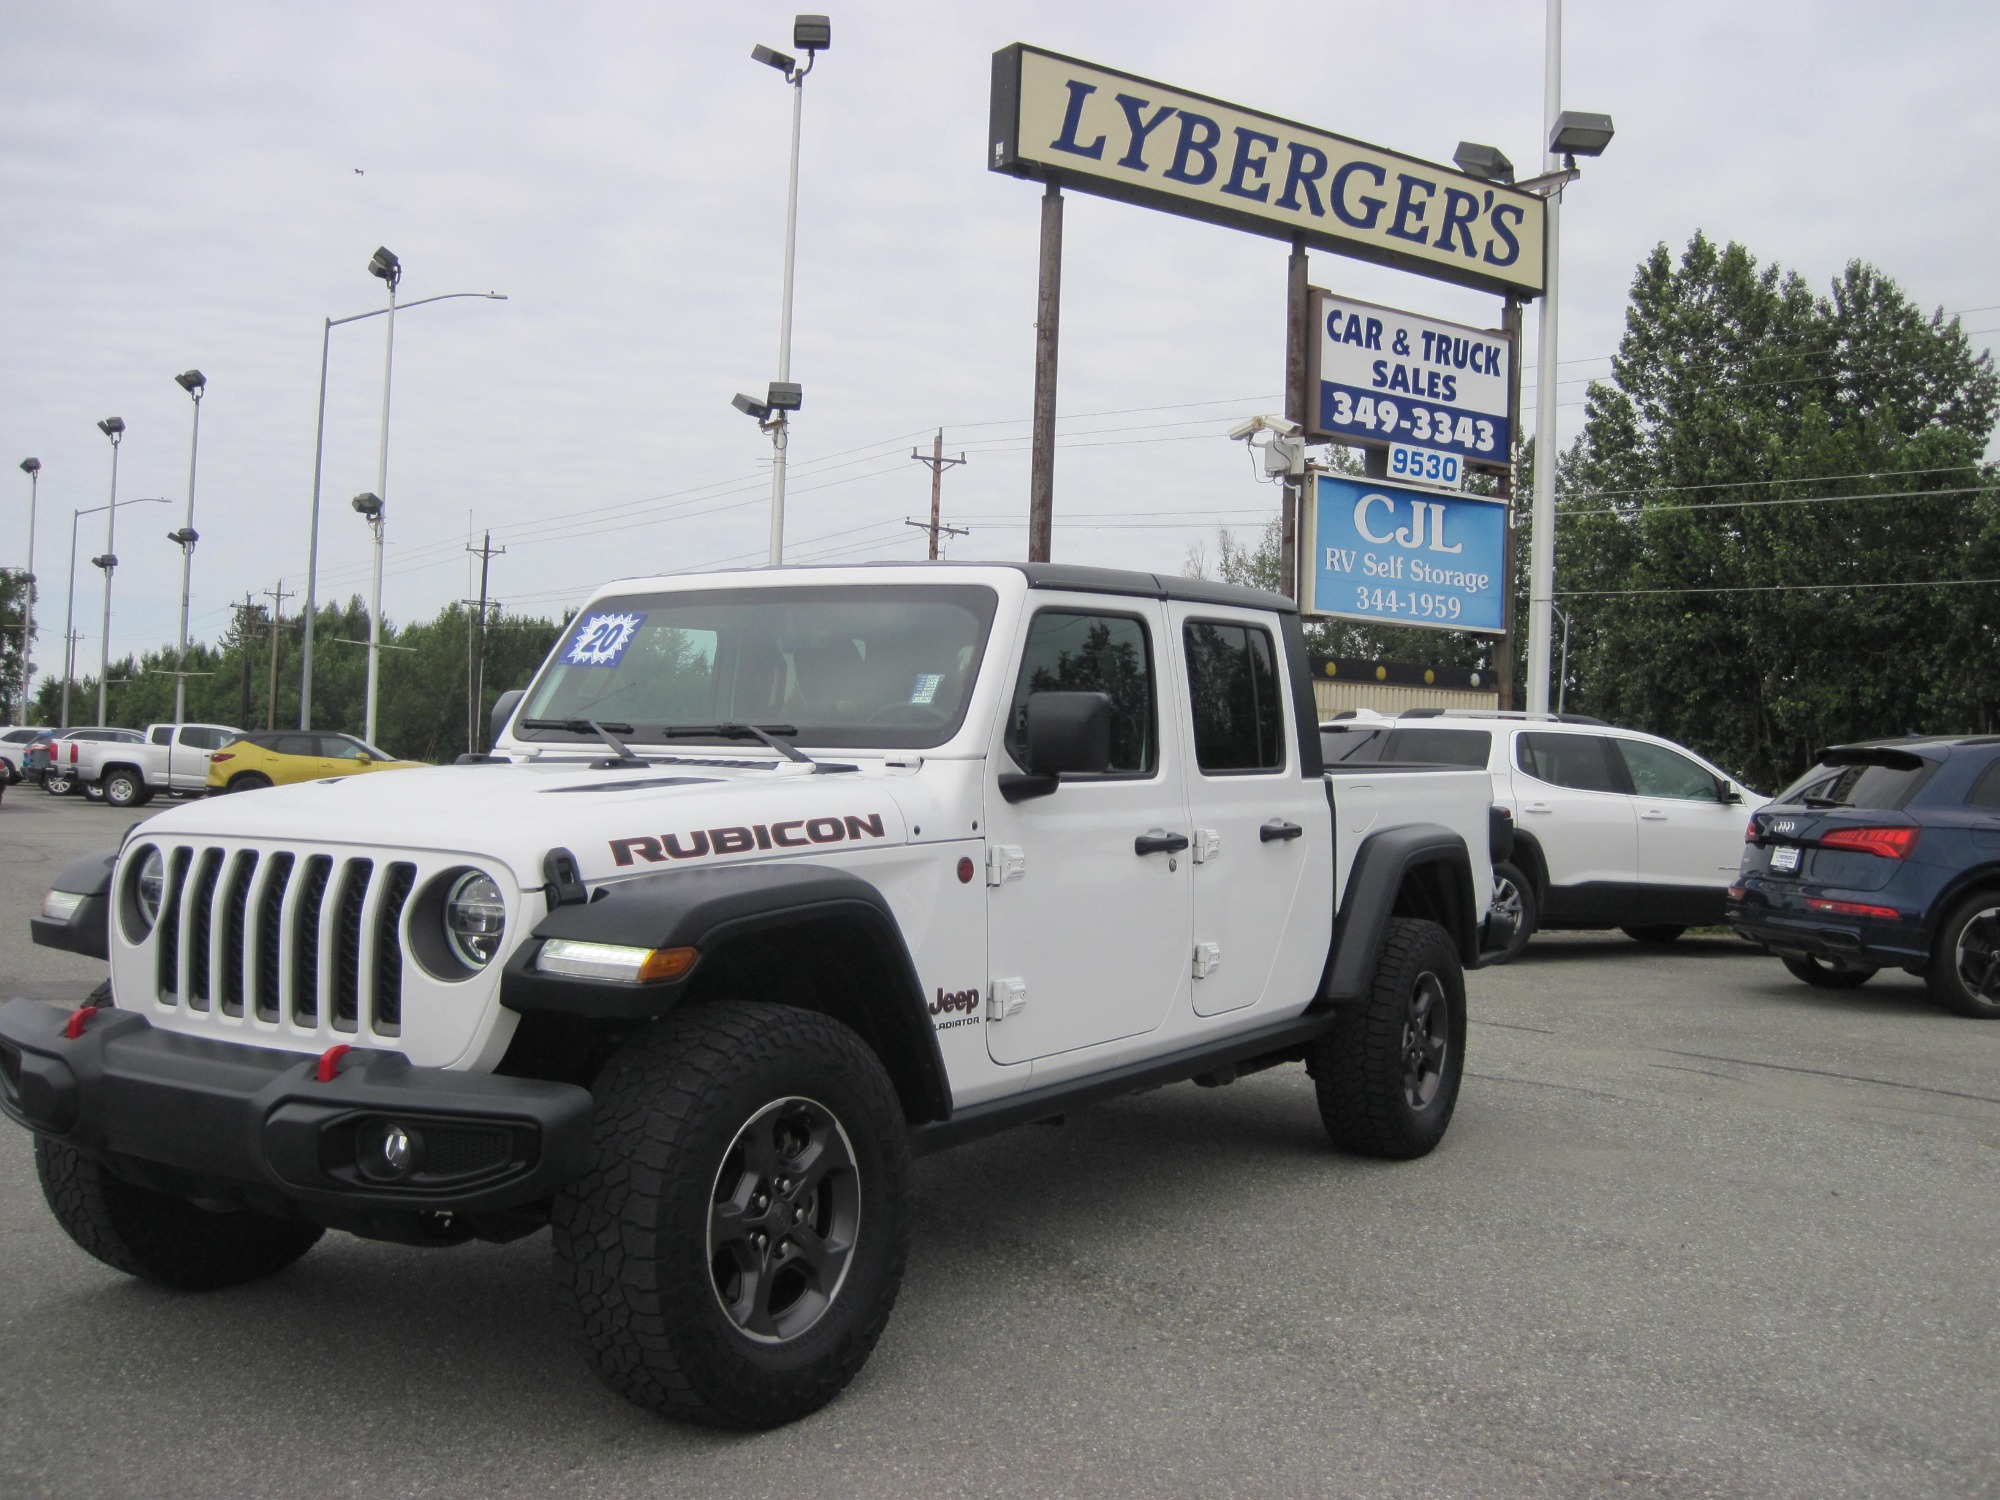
x=793, y=833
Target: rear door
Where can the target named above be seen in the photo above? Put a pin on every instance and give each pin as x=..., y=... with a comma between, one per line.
x=1087, y=899
x=1262, y=865
x=1573, y=797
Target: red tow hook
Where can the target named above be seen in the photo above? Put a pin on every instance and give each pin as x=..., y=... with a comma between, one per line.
x=78, y=1019
x=329, y=1062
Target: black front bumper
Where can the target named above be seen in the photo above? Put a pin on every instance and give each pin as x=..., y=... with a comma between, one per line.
x=209, y=1115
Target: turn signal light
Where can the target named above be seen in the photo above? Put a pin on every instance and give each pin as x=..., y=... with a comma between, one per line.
x=1890, y=843
x=1855, y=909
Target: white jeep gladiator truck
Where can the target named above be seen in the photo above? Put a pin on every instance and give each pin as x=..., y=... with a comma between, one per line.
x=168, y=758
x=772, y=881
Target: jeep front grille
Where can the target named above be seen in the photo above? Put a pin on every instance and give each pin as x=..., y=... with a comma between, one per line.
x=314, y=942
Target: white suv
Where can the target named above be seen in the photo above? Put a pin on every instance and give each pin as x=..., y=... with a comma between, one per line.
x=1613, y=828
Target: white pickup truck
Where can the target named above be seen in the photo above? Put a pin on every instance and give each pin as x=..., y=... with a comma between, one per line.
x=169, y=758
x=772, y=881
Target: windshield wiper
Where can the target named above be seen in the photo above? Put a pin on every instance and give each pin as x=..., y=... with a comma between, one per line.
x=768, y=733
x=606, y=732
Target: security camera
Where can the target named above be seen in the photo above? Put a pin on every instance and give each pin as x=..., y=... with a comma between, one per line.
x=1246, y=429
x=1243, y=431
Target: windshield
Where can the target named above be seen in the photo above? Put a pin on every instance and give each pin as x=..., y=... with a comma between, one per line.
x=1857, y=783
x=885, y=666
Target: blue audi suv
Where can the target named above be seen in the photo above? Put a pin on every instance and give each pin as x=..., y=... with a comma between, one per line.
x=1886, y=854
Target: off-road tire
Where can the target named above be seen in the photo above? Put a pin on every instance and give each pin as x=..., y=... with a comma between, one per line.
x=158, y=1238
x=126, y=789
x=637, y=1247
x=1512, y=887
x=1822, y=975
x=1656, y=934
x=1964, y=972
x=1386, y=1087
x=248, y=781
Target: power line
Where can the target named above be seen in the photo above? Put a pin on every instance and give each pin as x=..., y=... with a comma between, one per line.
x=1566, y=512
x=1775, y=588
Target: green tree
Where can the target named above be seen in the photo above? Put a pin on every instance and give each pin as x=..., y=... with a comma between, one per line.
x=1761, y=460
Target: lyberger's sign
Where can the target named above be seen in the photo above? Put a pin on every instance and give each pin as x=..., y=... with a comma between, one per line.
x=1119, y=136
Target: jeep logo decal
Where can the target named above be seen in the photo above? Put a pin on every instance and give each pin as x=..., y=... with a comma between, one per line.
x=965, y=1000
x=793, y=833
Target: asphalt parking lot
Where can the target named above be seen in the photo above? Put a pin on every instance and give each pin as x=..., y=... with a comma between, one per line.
x=1697, y=1230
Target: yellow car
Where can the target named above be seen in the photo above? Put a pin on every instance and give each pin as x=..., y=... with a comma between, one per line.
x=279, y=757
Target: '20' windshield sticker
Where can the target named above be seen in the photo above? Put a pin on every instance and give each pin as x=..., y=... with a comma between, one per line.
x=601, y=640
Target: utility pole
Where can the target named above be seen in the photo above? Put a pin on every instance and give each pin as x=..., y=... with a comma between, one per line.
x=475, y=657
x=277, y=596
x=245, y=612
x=937, y=463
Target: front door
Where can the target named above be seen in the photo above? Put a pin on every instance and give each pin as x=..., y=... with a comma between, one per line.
x=1571, y=792
x=1087, y=907
x=1690, y=840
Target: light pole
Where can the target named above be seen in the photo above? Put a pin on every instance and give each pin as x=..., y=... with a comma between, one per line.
x=319, y=451
x=811, y=35
x=369, y=507
x=69, y=609
x=32, y=467
x=113, y=428
x=194, y=383
x=1570, y=134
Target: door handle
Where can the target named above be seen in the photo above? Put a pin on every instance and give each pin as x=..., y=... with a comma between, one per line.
x=1159, y=841
x=1278, y=829
x=1539, y=807
x=1653, y=815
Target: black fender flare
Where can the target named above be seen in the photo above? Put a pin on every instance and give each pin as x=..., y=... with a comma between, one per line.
x=1374, y=883
x=711, y=909
x=87, y=930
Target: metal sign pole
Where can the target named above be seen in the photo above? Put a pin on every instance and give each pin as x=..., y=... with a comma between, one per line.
x=1510, y=321
x=1298, y=336
x=1048, y=320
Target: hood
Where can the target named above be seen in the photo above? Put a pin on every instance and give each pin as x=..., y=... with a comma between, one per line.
x=616, y=822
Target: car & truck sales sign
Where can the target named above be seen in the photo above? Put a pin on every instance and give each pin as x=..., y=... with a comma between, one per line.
x=1401, y=556
x=1120, y=136
x=1380, y=376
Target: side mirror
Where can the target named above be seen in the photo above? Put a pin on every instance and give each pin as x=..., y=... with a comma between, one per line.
x=1066, y=732
x=1728, y=794
x=503, y=710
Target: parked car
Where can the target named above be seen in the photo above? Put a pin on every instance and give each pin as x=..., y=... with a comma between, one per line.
x=14, y=743
x=168, y=758
x=279, y=757
x=59, y=775
x=1883, y=855
x=1613, y=828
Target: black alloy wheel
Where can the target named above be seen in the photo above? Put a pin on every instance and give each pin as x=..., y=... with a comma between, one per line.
x=1426, y=1041
x=786, y=1213
x=1965, y=971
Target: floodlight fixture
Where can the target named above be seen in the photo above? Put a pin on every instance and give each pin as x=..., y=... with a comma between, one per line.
x=1579, y=133
x=107, y=561
x=368, y=504
x=750, y=406
x=31, y=466
x=773, y=59
x=785, y=395
x=812, y=33
x=1487, y=163
x=112, y=427
x=187, y=536
x=192, y=381
x=384, y=266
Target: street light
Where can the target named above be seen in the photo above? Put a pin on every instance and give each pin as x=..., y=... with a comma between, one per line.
x=1571, y=133
x=319, y=451
x=194, y=383
x=113, y=428
x=381, y=264
x=811, y=35
x=69, y=609
x=32, y=467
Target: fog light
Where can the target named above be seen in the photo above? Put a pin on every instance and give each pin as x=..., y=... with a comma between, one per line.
x=386, y=1151
x=613, y=961
x=60, y=906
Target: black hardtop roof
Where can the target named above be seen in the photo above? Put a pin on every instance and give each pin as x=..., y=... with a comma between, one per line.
x=1088, y=580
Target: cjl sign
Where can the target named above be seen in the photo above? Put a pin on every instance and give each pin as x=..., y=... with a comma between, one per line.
x=1404, y=557
x=1380, y=376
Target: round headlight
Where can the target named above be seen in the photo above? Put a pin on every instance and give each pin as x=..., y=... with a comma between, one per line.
x=149, y=886
x=474, y=918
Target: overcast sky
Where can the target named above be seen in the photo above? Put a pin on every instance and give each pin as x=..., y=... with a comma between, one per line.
x=201, y=185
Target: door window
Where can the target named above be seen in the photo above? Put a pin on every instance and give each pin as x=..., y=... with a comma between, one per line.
x=1439, y=747
x=1072, y=652
x=298, y=744
x=202, y=737
x=1233, y=692
x=1660, y=772
x=163, y=734
x=1581, y=761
